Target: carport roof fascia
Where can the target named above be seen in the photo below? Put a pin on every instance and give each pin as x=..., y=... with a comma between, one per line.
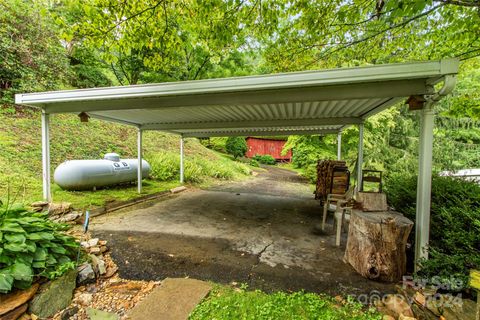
x=415, y=77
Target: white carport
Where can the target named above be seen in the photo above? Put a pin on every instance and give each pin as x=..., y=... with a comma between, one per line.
x=310, y=102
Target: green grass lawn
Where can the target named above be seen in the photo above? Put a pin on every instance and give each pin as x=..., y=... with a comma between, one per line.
x=21, y=169
x=225, y=303
x=89, y=199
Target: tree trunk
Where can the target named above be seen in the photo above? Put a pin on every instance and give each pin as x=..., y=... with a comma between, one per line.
x=376, y=244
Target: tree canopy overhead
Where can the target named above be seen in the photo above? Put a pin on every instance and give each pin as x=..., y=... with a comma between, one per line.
x=176, y=40
x=312, y=34
x=179, y=40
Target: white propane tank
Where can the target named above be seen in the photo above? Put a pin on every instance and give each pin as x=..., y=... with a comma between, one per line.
x=89, y=174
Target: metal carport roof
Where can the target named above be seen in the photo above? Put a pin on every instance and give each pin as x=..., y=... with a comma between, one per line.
x=290, y=103
x=307, y=102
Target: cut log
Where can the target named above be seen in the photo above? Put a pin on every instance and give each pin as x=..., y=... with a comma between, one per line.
x=376, y=244
x=372, y=201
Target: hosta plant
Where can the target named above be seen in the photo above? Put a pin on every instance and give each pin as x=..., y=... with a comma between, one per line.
x=32, y=246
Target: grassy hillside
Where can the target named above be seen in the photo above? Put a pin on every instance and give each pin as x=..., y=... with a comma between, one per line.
x=20, y=157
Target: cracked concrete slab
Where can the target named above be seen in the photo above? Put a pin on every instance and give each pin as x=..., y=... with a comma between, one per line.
x=267, y=220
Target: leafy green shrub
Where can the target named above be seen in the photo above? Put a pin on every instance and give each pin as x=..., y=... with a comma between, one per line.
x=310, y=172
x=265, y=159
x=455, y=223
x=32, y=246
x=227, y=304
x=215, y=143
x=236, y=146
x=307, y=150
x=253, y=163
x=166, y=167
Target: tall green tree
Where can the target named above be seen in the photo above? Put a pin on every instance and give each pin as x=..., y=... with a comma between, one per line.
x=298, y=34
x=236, y=146
x=163, y=40
x=31, y=55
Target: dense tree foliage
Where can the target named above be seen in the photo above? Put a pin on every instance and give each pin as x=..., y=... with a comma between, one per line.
x=236, y=146
x=455, y=223
x=31, y=55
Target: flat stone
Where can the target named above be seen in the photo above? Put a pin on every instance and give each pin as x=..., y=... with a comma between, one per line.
x=422, y=313
x=125, y=287
x=178, y=189
x=94, y=250
x=386, y=312
x=111, y=271
x=93, y=242
x=59, y=208
x=68, y=217
x=95, y=314
x=174, y=299
x=420, y=299
x=15, y=313
x=39, y=204
x=398, y=305
x=10, y=301
x=98, y=264
x=54, y=296
x=85, y=274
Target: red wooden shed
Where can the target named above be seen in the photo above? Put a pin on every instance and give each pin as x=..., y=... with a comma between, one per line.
x=264, y=146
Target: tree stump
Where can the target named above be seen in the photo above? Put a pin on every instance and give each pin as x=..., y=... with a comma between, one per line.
x=376, y=244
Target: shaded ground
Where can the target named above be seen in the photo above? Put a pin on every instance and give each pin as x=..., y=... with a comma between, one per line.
x=259, y=231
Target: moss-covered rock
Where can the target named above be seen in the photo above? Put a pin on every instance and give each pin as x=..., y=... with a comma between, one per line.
x=54, y=296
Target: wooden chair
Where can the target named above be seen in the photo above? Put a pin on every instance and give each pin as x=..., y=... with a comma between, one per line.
x=339, y=199
x=372, y=176
x=341, y=220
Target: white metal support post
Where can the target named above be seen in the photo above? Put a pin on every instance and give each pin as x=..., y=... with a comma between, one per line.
x=360, y=156
x=181, y=160
x=424, y=184
x=339, y=145
x=139, y=167
x=47, y=196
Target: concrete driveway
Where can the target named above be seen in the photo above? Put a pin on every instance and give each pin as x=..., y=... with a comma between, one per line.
x=259, y=231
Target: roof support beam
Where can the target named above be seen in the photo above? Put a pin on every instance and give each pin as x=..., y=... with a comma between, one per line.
x=47, y=195
x=385, y=105
x=285, y=123
x=360, y=157
x=100, y=117
x=339, y=145
x=258, y=133
x=424, y=185
x=182, y=156
x=139, y=166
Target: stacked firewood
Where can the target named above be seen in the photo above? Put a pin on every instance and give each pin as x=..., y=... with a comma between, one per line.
x=326, y=170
